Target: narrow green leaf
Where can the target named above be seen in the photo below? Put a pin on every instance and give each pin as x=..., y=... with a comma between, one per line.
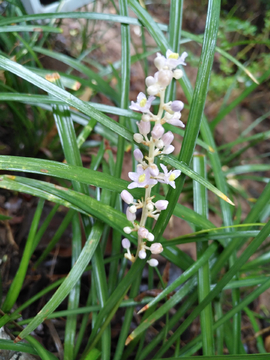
x=195, y=176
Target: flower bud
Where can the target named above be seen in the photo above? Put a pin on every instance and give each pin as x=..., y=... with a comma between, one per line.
x=127, y=230
x=126, y=243
x=161, y=204
x=138, y=155
x=132, y=209
x=156, y=248
x=164, y=77
x=142, y=254
x=138, y=138
x=154, y=171
x=153, y=262
x=177, y=105
x=126, y=197
x=167, y=138
x=150, y=237
x=143, y=232
x=144, y=127
x=150, y=80
x=159, y=144
x=153, y=89
x=158, y=131
x=150, y=207
x=177, y=74
x=168, y=150
x=160, y=62
x=130, y=216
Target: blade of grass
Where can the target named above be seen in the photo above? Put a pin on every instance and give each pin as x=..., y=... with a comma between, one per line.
x=18, y=280
x=74, y=295
x=201, y=206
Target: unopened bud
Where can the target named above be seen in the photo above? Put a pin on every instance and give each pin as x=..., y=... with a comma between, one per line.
x=177, y=74
x=150, y=207
x=142, y=254
x=126, y=243
x=150, y=80
x=161, y=204
x=126, y=197
x=158, y=131
x=153, y=262
x=132, y=209
x=177, y=105
x=159, y=144
x=167, y=138
x=143, y=232
x=164, y=77
x=127, y=230
x=156, y=248
x=154, y=171
x=138, y=155
x=150, y=237
x=130, y=216
x=153, y=89
x=168, y=150
x=138, y=138
x=144, y=127
x=159, y=62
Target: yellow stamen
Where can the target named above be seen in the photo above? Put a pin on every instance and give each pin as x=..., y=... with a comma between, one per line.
x=143, y=102
x=172, y=177
x=174, y=56
x=141, y=178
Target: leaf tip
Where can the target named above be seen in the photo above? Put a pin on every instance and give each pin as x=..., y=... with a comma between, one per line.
x=129, y=339
x=52, y=77
x=18, y=338
x=143, y=309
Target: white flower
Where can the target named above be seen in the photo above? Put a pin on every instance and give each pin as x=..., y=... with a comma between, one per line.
x=141, y=178
x=169, y=177
x=143, y=104
x=142, y=254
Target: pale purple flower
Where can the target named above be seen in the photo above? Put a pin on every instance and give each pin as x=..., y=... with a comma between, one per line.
x=141, y=178
x=161, y=204
x=143, y=104
x=169, y=177
x=126, y=197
